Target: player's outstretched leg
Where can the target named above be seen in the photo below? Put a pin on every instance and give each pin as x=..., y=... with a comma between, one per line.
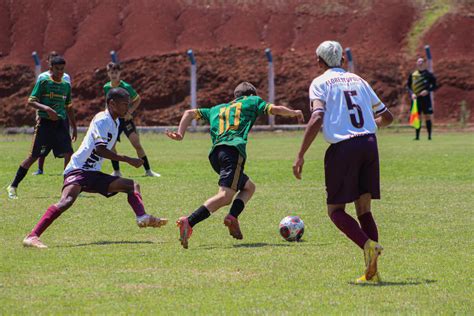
x=231, y=220
x=136, y=202
x=68, y=196
x=20, y=175
x=185, y=224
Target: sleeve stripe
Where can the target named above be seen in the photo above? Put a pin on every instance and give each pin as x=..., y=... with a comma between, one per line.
x=376, y=105
x=381, y=111
x=136, y=97
x=100, y=143
x=268, y=108
x=198, y=114
x=319, y=110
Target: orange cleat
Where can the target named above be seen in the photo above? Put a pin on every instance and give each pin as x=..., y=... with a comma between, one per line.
x=234, y=228
x=185, y=231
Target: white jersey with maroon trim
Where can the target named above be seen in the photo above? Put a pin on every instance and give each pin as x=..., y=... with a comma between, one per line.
x=103, y=130
x=349, y=105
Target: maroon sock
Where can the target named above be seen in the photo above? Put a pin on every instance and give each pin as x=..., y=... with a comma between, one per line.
x=350, y=227
x=136, y=202
x=369, y=226
x=48, y=218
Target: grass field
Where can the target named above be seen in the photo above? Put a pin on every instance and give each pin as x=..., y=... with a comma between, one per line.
x=100, y=262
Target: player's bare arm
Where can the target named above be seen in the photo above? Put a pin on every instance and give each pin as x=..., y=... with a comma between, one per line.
x=311, y=131
x=133, y=108
x=188, y=117
x=72, y=121
x=39, y=106
x=284, y=111
x=384, y=119
x=109, y=154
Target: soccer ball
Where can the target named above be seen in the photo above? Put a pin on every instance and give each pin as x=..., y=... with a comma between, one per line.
x=291, y=228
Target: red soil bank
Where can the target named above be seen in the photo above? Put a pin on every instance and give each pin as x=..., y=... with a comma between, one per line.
x=151, y=38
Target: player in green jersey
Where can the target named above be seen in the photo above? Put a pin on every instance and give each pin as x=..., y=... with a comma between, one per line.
x=126, y=124
x=230, y=124
x=66, y=78
x=51, y=96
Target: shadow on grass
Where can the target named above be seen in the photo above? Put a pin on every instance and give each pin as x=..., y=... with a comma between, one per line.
x=106, y=243
x=257, y=245
x=57, y=198
x=399, y=283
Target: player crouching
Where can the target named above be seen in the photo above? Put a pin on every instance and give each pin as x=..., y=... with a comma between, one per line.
x=83, y=171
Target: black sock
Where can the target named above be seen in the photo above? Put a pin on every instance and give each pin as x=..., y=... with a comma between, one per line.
x=20, y=174
x=428, y=127
x=418, y=133
x=146, y=164
x=198, y=215
x=115, y=165
x=237, y=208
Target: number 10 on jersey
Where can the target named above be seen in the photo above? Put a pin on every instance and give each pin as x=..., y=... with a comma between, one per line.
x=224, y=117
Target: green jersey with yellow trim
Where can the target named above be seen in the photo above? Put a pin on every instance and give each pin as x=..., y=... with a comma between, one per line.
x=122, y=84
x=56, y=95
x=231, y=122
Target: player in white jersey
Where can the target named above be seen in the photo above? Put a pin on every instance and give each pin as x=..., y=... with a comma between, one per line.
x=350, y=112
x=83, y=171
x=71, y=117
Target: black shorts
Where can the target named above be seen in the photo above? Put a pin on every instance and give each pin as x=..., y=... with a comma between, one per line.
x=127, y=127
x=51, y=135
x=351, y=169
x=90, y=181
x=229, y=164
x=424, y=105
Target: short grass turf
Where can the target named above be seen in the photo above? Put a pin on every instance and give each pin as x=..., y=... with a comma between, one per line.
x=100, y=262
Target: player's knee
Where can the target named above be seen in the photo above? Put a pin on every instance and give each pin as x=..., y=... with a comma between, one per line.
x=225, y=197
x=65, y=203
x=136, y=186
x=250, y=187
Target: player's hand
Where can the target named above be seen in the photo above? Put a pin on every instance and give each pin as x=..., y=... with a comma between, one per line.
x=128, y=117
x=413, y=96
x=174, y=135
x=53, y=116
x=299, y=115
x=74, y=134
x=136, y=162
x=424, y=93
x=298, y=167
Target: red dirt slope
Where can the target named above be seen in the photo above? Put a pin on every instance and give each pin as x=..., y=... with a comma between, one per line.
x=151, y=37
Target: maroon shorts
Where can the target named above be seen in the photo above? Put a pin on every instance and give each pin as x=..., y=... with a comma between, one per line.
x=351, y=168
x=90, y=181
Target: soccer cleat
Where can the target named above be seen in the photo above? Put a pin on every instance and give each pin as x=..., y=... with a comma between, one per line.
x=151, y=221
x=185, y=231
x=376, y=279
x=151, y=173
x=372, y=250
x=116, y=173
x=34, y=242
x=12, y=193
x=234, y=228
x=38, y=172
